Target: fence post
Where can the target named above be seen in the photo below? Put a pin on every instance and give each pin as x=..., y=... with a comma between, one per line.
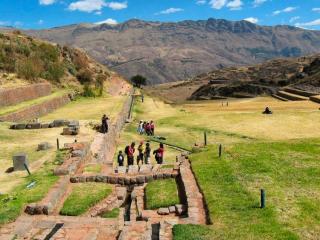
x=263, y=198
x=220, y=151
x=205, y=138
x=58, y=144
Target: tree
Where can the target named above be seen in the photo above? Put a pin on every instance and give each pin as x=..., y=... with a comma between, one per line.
x=138, y=81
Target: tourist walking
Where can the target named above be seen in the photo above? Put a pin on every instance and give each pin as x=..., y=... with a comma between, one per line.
x=104, y=124
x=147, y=154
x=120, y=159
x=159, y=153
x=140, y=153
x=130, y=153
x=152, y=126
x=140, y=128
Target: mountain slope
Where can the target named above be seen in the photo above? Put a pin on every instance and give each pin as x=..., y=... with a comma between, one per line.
x=168, y=52
x=246, y=81
x=25, y=60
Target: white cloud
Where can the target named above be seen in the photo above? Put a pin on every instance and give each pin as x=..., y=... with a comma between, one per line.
x=109, y=21
x=201, y=2
x=40, y=22
x=294, y=19
x=117, y=5
x=235, y=5
x=316, y=10
x=257, y=3
x=252, y=20
x=171, y=10
x=46, y=2
x=217, y=4
x=286, y=10
x=309, y=24
x=87, y=5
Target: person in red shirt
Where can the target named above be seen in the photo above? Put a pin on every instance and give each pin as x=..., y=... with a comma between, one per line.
x=131, y=151
x=152, y=128
x=159, y=153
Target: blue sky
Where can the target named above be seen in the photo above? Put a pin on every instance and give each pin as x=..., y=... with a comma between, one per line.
x=50, y=13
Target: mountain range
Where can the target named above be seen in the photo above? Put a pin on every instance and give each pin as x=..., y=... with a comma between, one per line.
x=174, y=51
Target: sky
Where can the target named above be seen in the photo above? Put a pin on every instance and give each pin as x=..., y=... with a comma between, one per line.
x=39, y=14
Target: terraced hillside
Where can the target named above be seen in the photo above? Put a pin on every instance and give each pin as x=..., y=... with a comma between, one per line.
x=286, y=79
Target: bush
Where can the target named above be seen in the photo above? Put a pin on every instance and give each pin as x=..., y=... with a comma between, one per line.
x=48, y=52
x=55, y=72
x=84, y=76
x=29, y=68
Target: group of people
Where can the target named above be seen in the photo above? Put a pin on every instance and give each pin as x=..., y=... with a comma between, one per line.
x=143, y=155
x=146, y=127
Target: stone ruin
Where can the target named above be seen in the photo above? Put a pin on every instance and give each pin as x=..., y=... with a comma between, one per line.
x=38, y=125
x=20, y=160
x=72, y=129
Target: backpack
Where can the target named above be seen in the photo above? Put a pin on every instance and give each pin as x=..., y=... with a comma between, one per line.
x=126, y=150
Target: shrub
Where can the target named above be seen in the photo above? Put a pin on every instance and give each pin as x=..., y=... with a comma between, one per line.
x=84, y=76
x=55, y=71
x=29, y=68
x=48, y=52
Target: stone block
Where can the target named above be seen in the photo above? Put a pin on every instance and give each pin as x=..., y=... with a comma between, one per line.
x=78, y=153
x=121, y=170
x=146, y=168
x=172, y=209
x=90, y=178
x=121, y=180
x=180, y=209
x=60, y=123
x=43, y=146
x=74, y=123
x=149, y=178
x=141, y=179
x=127, y=181
x=19, y=160
x=113, y=180
x=163, y=211
x=133, y=180
x=20, y=126
x=133, y=169
x=33, y=126
x=99, y=178
x=70, y=131
x=45, y=125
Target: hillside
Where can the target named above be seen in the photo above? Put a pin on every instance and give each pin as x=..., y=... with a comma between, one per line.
x=25, y=60
x=247, y=81
x=169, y=51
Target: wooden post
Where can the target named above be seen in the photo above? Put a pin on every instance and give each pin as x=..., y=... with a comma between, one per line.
x=263, y=198
x=58, y=144
x=220, y=151
x=205, y=138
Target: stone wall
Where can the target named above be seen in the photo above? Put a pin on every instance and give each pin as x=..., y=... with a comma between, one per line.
x=107, y=142
x=36, y=111
x=14, y=96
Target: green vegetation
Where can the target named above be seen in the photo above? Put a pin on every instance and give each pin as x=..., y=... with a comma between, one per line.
x=163, y=193
x=114, y=213
x=25, y=104
x=12, y=204
x=96, y=168
x=31, y=59
x=60, y=156
x=191, y=232
x=139, y=81
x=84, y=196
x=231, y=186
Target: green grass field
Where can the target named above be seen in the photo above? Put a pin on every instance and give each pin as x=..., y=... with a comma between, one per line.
x=12, y=204
x=84, y=196
x=162, y=193
x=114, y=213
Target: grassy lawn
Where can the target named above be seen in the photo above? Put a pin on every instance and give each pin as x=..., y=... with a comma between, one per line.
x=25, y=104
x=114, y=213
x=162, y=193
x=11, y=205
x=289, y=172
x=84, y=196
x=89, y=109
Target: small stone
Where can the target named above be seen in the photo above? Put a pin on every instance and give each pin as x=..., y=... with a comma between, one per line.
x=19, y=160
x=180, y=209
x=163, y=211
x=172, y=209
x=141, y=179
x=99, y=178
x=78, y=153
x=43, y=146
